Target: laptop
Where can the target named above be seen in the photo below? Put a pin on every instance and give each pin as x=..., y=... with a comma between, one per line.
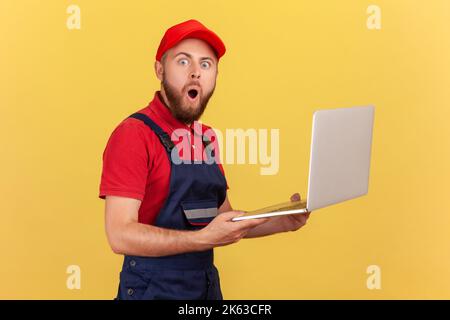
x=339, y=165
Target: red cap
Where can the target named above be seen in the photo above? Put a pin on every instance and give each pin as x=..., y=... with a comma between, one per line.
x=189, y=29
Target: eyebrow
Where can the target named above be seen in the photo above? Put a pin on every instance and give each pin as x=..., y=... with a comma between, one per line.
x=190, y=56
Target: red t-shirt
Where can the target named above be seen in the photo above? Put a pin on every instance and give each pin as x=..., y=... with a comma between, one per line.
x=135, y=163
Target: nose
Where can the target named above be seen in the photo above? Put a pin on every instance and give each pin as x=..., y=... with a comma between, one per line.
x=195, y=73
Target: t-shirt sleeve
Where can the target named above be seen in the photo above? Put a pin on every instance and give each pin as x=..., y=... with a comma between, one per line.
x=125, y=162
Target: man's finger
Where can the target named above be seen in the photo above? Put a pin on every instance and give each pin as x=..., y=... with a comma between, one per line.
x=250, y=223
x=295, y=197
x=230, y=215
x=301, y=217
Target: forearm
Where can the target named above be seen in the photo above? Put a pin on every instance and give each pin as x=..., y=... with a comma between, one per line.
x=274, y=225
x=147, y=240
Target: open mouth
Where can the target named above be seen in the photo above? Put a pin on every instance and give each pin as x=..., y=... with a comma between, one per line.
x=192, y=93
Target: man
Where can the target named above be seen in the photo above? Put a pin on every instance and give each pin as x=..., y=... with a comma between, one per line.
x=165, y=215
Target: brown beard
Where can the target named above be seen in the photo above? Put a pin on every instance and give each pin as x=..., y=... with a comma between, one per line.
x=180, y=112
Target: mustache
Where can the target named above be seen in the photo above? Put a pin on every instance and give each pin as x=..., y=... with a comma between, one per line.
x=192, y=83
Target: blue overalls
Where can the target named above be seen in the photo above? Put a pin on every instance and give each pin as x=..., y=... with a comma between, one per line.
x=196, y=191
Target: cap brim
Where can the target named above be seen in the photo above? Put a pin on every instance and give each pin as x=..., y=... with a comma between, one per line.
x=206, y=35
x=209, y=37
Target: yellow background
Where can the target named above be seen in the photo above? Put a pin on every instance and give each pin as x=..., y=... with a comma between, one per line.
x=63, y=92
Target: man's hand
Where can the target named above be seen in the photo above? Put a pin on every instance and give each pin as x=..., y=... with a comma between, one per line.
x=222, y=231
x=293, y=222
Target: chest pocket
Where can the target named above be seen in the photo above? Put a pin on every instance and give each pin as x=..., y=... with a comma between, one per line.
x=200, y=212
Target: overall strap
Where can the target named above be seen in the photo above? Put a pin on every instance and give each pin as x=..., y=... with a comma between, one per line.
x=162, y=135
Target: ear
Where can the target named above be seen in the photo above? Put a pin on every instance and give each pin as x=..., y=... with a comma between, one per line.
x=159, y=70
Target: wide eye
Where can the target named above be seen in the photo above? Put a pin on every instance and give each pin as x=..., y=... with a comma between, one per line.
x=183, y=62
x=205, y=64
